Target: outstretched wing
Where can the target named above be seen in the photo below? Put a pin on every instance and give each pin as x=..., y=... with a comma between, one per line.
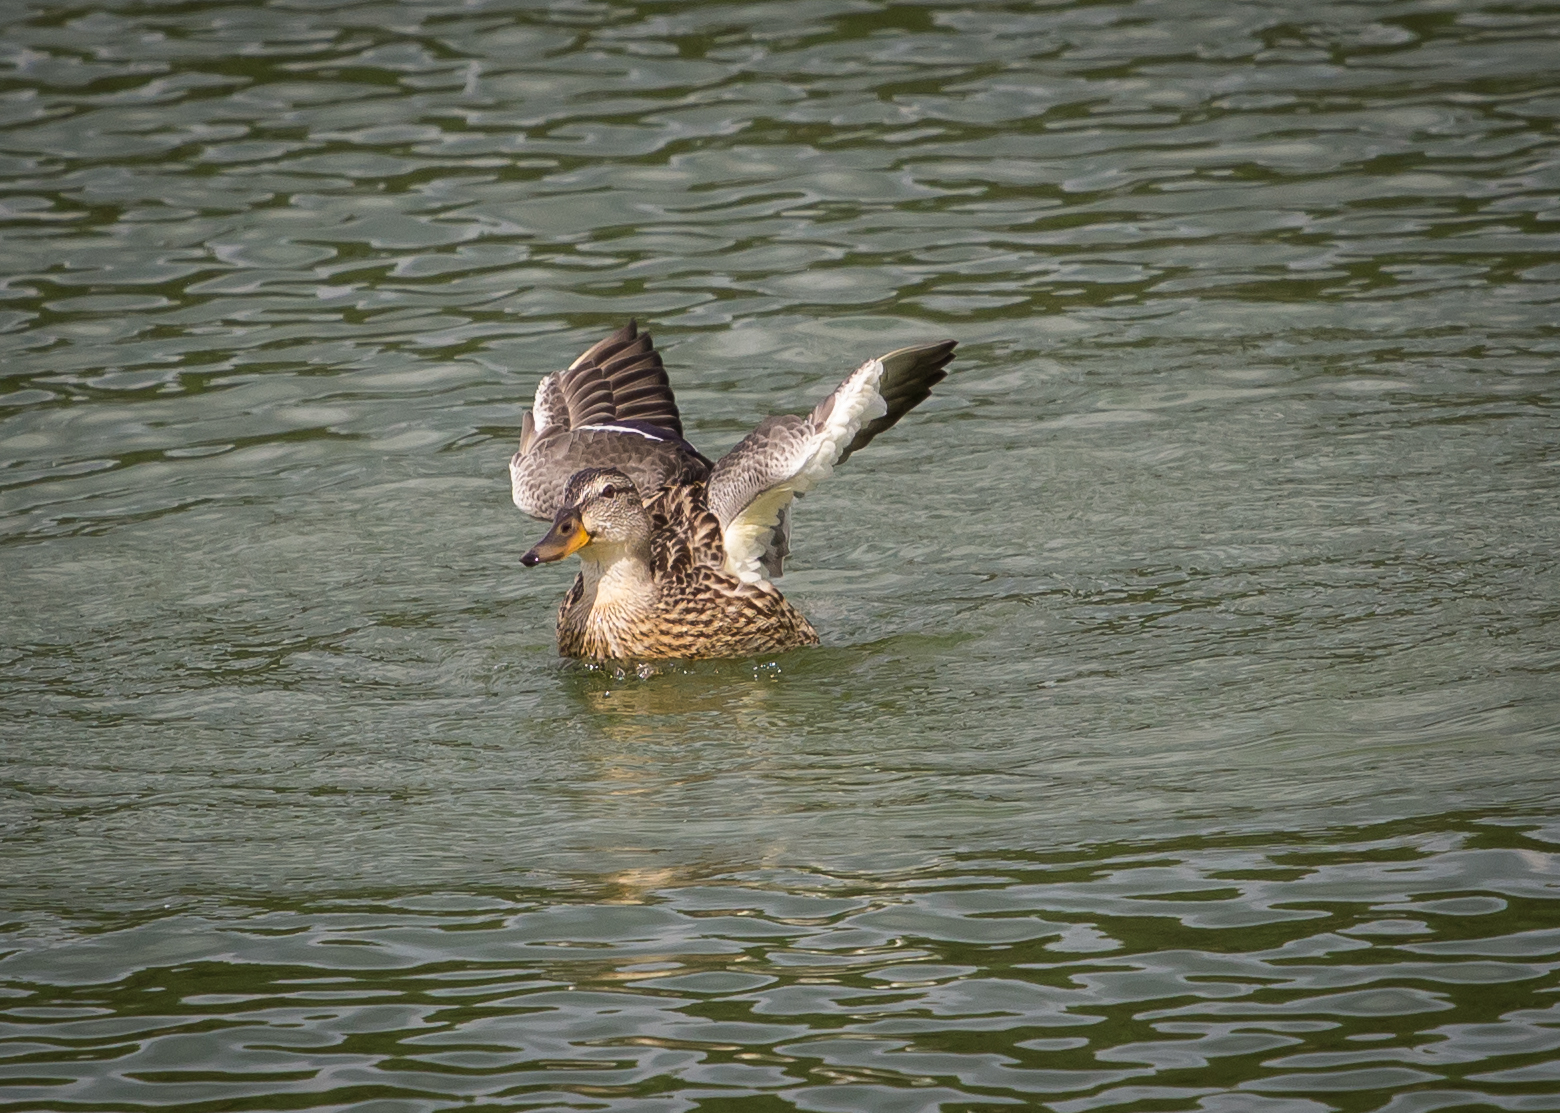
x=751, y=487
x=616, y=381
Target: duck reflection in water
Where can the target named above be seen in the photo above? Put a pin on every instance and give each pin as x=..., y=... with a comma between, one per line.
x=674, y=702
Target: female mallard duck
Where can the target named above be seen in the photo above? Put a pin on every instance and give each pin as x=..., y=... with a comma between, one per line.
x=674, y=548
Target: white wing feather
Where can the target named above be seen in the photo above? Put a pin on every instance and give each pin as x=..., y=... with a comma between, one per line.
x=550, y=407
x=754, y=483
x=747, y=537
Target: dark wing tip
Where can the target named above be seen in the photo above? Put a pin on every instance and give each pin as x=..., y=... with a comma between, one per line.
x=908, y=377
x=608, y=346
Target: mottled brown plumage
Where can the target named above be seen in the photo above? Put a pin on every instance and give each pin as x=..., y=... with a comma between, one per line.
x=659, y=588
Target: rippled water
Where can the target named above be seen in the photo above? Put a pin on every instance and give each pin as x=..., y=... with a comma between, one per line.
x=1186, y=730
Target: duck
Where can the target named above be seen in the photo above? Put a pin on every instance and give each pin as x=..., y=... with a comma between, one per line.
x=677, y=552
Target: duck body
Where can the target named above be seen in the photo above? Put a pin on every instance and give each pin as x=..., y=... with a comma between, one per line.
x=676, y=600
x=677, y=552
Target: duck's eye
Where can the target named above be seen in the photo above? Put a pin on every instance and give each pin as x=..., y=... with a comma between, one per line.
x=609, y=491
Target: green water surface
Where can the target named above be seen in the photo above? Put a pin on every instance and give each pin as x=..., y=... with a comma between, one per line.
x=1186, y=729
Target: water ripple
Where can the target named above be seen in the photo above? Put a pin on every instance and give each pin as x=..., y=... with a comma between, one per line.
x=823, y=989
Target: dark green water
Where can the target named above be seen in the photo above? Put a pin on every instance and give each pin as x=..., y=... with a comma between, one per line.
x=1186, y=732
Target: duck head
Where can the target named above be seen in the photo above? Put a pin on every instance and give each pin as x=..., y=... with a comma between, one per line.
x=601, y=509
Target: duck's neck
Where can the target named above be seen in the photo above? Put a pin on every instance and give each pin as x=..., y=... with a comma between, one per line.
x=619, y=587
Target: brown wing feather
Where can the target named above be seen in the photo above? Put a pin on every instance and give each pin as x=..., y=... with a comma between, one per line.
x=620, y=378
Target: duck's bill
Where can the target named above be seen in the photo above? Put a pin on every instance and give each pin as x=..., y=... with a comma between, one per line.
x=566, y=536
